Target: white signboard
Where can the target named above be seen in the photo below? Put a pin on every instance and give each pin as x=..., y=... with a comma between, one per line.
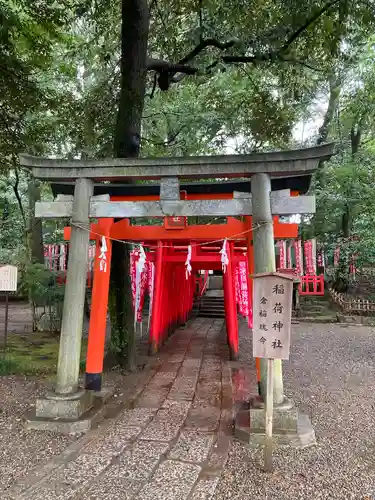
x=8, y=279
x=272, y=315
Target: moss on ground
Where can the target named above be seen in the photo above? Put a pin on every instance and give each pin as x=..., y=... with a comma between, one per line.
x=33, y=354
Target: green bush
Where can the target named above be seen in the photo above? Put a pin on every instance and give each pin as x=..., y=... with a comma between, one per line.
x=44, y=291
x=9, y=366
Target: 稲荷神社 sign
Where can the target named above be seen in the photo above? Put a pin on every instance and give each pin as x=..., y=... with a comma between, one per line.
x=8, y=278
x=272, y=315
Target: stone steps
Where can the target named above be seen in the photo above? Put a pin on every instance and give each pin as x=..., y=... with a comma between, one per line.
x=316, y=309
x=210, y=307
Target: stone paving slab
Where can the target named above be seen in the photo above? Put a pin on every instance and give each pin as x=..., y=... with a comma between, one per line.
x=138, y=417
x=139, y=462
x=204, y=489
x=173, y=480
x=193, y=446
x=204, y=418
x=109, y=487
x=166, y=425
x=172, y=445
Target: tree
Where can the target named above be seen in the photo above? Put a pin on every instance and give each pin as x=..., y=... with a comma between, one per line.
x=187, y=39
x=188, y=77
x=345, y=200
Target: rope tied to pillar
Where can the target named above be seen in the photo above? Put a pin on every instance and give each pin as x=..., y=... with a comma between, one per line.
x=195, y=245
x=188, y=262
x=224, y=256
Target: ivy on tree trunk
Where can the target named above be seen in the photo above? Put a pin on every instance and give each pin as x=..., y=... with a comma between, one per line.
x=134, y=38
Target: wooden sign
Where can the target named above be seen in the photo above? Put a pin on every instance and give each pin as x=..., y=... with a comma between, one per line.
x=8, y=279
x=175, y=222
x=272, y=315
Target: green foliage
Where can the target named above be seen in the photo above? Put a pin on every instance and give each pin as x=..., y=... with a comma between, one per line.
x=41, y=285
x=34, y=354
x=267, y=65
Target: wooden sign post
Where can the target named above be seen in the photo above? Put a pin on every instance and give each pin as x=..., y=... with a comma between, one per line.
x=272, y=313
x=8, y=283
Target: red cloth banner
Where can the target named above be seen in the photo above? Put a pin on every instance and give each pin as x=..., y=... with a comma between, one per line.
x=242, y=290
x=289, y=256
x=238, y=285
x=308, y=251
x=150, y=288
x=134, y=256
x=352, y=267
x=282, y=254
x=138, y=288
x=55, y=256
x=336, y=257
x=144, y=282
x=297, y=244
x=320, y=258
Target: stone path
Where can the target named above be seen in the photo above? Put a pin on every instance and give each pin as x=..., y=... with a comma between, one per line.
x=173, y=444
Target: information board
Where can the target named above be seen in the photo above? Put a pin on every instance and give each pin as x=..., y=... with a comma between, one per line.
x=272, y=316
x=8, y=278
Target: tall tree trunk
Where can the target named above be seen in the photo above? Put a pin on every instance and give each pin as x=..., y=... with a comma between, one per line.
x=342, y=280
x=134, y=38
x=34, y=229
x=334, y=95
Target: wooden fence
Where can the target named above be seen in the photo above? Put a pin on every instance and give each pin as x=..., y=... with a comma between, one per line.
x=352, y=306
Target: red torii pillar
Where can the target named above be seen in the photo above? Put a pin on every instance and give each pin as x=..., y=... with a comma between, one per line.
x=155, y=326
x=98, y=315
x=230, y=302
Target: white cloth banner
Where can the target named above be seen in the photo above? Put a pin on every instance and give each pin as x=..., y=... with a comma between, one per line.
x=224, y=257
x=103, y=256
x=188, y=263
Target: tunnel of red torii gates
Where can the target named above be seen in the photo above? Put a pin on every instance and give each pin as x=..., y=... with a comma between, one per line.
x=168, y=246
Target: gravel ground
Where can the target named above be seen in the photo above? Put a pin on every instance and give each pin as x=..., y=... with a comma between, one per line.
x=21, y=451
x=331, y=376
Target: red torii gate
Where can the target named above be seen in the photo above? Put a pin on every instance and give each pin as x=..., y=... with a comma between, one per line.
x=169, y=255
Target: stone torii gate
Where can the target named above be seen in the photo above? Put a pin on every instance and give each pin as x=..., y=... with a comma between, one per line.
x=70, y=403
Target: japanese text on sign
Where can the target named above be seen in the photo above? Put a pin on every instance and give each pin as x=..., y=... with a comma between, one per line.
x=8, y=278
x=272, y=316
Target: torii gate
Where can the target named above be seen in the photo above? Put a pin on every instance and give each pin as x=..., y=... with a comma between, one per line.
x=203, y=257
x=67, y=401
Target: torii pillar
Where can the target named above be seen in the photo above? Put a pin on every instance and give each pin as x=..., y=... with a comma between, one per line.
x=289, y=426
x=264, y=261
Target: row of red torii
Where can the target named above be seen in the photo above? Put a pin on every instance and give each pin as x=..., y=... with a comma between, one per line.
x=142, y=271
x=276, y=180
x=173, y=278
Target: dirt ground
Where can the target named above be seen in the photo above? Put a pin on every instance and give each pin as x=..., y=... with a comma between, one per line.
x=19, y=317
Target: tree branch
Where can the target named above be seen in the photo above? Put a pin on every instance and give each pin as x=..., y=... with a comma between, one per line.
x=159, y=65
x=17, y=194
x=309, y=21
x=210, y=42
x=171, y=69
x=301, y=63
x=169, y=141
